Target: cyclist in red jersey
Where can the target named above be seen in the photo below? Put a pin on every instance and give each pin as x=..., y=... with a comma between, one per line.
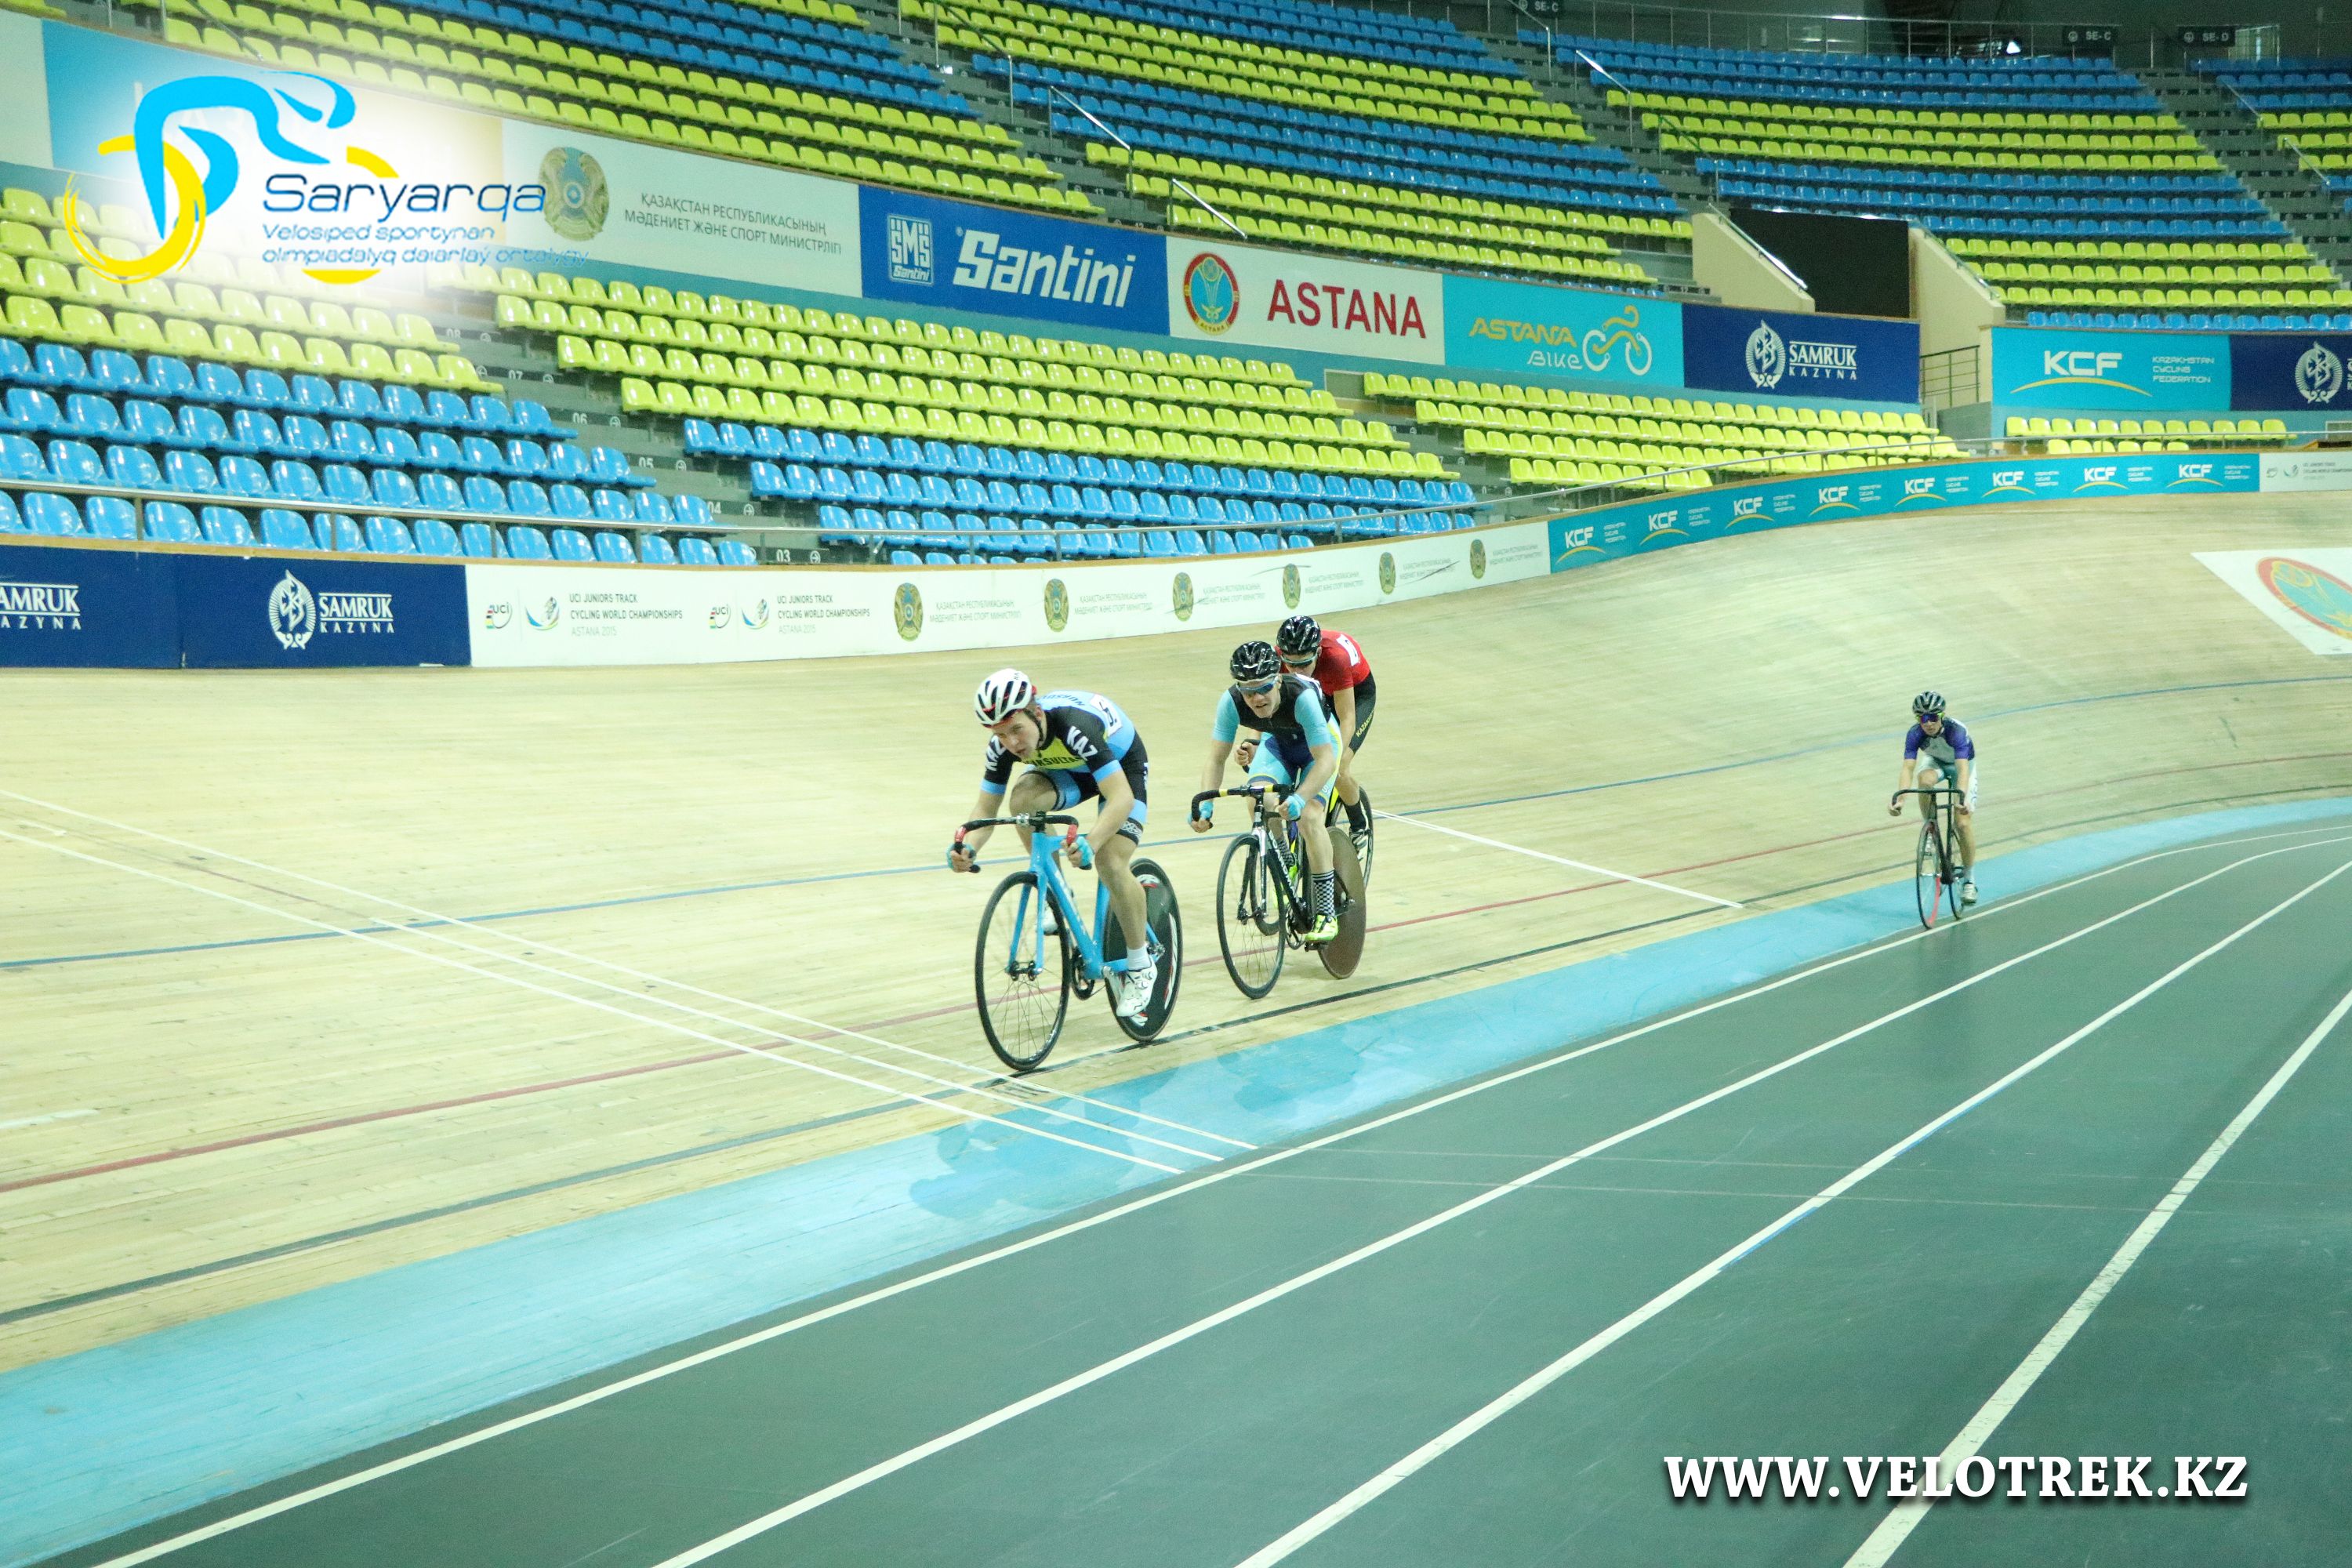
x=1338, y=664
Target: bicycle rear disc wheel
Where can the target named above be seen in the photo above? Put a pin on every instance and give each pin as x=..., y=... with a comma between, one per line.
x=1927, y=876
x=1167, y=923
x=1342, y=953
x=1364, y=858
x=1021, y=974
x=1249, y=918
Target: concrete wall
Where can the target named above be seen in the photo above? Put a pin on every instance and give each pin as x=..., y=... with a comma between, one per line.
x=1739, y=271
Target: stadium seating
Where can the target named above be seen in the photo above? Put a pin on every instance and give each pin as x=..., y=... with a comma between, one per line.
x=241, y=387
x=2063, y=183
x=1324, y=126
x=1549, y=436
x=798, y=84
x=2080, y=436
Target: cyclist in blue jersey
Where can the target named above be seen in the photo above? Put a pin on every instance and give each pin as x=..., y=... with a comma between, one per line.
x=1300, y=749
x=1078, y=747
x=1940, y=751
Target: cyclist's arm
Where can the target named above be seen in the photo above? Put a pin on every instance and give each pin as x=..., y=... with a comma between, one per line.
x=1224, y=724
x=1343, y=703
x=1324, y=747
x=1966, y=770
x=991, y=803
x=1901, y=783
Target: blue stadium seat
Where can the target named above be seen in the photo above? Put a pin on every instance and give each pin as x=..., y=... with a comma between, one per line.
x=527, y=544
x=53, y=515
x=191, y=473
x=296, y=483
x=571, y=544
x=735, y=553
x=389, y=536
x=478, y=543
x=169, y=522
x=482, y=495
x=133, y=468
x=282, y=530
x=696, y=551
x=227, y=525
x=614, y=547
x=434, y=537
x=656, y=550
x=148, y=424
x=339, y=530
x=570, y=502
x=391, y=487
x=74, y=463
x=525, y=497
x=110, y=517
x=244, y=477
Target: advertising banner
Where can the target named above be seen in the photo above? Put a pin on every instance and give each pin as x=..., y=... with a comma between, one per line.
x=2314, y=470
x=633, y=205
x=960, y=257
x=543, y=615
x=2307, y=594
x=218, y=156
x=1769, y=353
x=64, y=606
x=1607, y=534
x=1239, y=294
x=1577, y=332
x=2289, y=372
x=300, y=611
x=2035, y=367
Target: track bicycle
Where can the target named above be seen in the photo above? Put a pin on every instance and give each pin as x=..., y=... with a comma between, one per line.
x=1935, y=869
x=1024, y=974
x=1264, y=909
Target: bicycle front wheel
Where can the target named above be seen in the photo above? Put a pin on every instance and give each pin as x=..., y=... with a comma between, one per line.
x=1928, y=875
x=1249, y=918
x=1021, y=973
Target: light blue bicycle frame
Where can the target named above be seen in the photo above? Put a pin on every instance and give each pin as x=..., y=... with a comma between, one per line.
x=1044, y=862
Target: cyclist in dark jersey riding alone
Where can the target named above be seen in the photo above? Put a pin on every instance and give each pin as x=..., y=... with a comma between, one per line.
x=1300, y=751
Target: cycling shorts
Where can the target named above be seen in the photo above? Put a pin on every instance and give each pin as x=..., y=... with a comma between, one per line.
x=1365, y=696
x=1071, y=788
x=1288, y=759
x=1933, y=775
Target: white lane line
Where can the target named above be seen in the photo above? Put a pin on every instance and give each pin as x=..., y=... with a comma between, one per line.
x=1502, y=1404
x=1561, y=860
x=1119, y=1364
x=1905, y=1517
x=44, y=1121
x=590, y=1002
x=975, y=1086
x=758, y=1337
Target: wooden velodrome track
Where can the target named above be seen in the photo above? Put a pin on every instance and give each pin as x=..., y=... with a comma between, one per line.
x=209, y=1099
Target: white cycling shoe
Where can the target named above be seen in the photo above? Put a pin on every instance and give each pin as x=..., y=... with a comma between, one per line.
x=1136, y=987
x=1968, y=891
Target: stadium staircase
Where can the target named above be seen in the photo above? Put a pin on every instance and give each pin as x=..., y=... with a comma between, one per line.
x=2277, y=175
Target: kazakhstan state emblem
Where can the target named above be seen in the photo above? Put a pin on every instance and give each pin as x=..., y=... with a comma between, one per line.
x=1477, y=558
x=577, y=196
x=1388, y=573
x=1058, y=605
x=1183, y=596
x=2318, y=374
x=1290, y=587
x=907, y=611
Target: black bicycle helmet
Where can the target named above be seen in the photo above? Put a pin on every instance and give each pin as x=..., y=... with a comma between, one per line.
x=1256, y=661
x=1927, y=705
x=1299, y=639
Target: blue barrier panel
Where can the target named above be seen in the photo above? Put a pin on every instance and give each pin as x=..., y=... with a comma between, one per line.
x=112, y=608
x=2037, y=367
x=1769, y=353
x=1606, y=533
x=280, y=613
x=959, y=257
x=1577, y=332
x=2289, y=371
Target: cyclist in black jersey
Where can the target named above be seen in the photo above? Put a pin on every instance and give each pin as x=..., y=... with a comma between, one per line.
x=1300, y=749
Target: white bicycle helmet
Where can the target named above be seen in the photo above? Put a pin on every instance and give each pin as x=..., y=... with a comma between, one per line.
x=1003, y=695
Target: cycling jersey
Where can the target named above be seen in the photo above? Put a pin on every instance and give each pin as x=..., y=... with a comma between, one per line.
x=1303, y=715
x=1341, y=663
x=1951, y=746
x=1088, y=740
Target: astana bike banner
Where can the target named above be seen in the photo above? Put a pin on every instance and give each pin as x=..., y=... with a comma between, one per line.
x=960, y=255
x=1775, y=356
x=1579, y=334
x=2034, y=367
x=1607, y=534
x=1245, y=296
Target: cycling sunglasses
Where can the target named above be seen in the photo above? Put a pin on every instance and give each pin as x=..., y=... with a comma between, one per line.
x=1264, y=688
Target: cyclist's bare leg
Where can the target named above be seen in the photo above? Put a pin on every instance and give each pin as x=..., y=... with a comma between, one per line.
x=1312, y=833
x=1967, y=838
x=1115, y=865
x=1029, y=792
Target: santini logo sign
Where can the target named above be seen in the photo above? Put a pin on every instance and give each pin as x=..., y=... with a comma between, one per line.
x=382, y=219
